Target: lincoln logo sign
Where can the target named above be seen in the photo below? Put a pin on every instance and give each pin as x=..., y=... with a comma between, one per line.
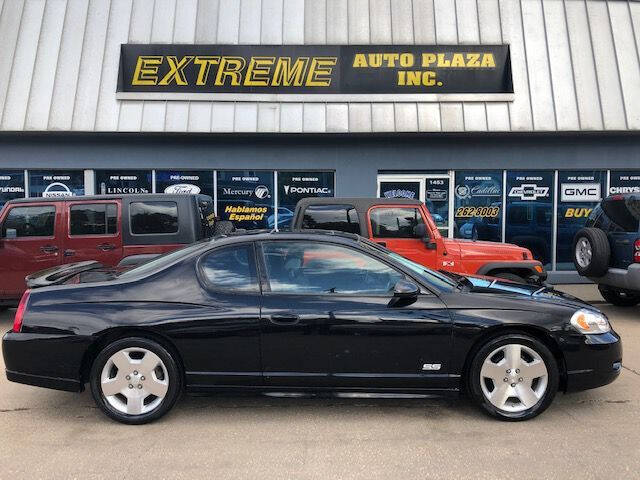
x=304, y=69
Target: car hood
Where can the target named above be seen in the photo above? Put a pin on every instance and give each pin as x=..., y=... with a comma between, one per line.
x=469, y=249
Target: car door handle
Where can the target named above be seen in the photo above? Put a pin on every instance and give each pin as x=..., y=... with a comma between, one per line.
x=284, y=319
x=49, y=249
x=69, y=253
x=106, y=247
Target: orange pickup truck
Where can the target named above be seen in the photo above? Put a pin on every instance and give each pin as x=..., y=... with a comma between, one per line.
x=406, y=227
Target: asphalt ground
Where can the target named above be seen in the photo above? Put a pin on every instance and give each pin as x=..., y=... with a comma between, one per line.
x=592, y=434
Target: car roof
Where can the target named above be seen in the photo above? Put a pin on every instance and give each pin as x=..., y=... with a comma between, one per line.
x=358, y=202
x=81, y=198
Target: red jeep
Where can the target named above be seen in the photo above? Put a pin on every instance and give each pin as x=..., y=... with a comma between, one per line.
x=406, y=227
x=41, y=233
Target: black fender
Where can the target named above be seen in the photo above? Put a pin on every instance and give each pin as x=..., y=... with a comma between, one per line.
x=528, y=266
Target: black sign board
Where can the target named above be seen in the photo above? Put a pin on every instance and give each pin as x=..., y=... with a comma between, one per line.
x=624, y=182
x=324, y=69
x=110, y=182
x=11, y=185
x=245, y=197
x=56, y=183
x=185, y=181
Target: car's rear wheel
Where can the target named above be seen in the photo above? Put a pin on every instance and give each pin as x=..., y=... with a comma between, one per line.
x=513, y=377
x=591, y=252
x=619, y=297
x=135, y=380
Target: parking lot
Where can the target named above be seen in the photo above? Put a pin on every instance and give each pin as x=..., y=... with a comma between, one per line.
x=593, y=434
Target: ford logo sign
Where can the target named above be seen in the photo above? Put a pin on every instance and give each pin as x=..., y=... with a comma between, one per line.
x=182, y=188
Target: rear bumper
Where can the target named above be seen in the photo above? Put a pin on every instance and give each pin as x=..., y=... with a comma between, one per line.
x=623, y=278
x=592, y=361
x=56, y=383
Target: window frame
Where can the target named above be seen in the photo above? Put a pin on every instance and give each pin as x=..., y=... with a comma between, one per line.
x=56, y=212
x=266, y=286
x=210, y=287
x=70, y=205
x=358, y=223
x=129, y=208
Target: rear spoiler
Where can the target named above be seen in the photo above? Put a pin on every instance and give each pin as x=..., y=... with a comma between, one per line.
x=60, y=274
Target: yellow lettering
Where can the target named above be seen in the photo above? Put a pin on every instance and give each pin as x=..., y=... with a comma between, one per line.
x=488, y=60
x=205, y=63
x=176, y=72
x=429, y=78
x=230, y=67
x=391, y=59
x=402, y=75
x=473, y=60
x=414, y=78
x=258, y=71
x=360, y=61
x=320, y=71
x=406, y=60
x=443, y=62
x=428, y=59
x=286, y=75
x=146, y=72
x=458, y=60
x=375, y=60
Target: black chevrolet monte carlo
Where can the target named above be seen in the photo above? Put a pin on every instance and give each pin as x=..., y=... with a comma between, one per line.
x=311, y=313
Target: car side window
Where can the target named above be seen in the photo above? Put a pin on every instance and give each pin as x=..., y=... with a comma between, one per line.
x=36, y=221
x=231, y=268
x=343, y=218
x=153, y=217
x=322, y=268
x=93, y=219
x=395, y=222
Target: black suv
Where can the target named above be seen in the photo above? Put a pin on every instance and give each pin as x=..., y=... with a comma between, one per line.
x=607, y=250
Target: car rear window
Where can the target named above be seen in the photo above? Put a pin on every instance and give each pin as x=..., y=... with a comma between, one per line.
x=343, y=218
x=624, y=213
x=153, y=217
x=93, y=219
x=36, y=221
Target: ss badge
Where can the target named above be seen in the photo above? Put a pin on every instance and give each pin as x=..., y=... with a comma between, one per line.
x=431, y=366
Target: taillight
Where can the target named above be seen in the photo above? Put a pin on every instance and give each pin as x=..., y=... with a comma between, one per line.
x=636, y=251
x=22, y=306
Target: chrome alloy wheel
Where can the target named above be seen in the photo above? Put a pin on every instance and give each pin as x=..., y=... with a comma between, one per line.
x=583, y=252
x=513, y=378
x=134, y=381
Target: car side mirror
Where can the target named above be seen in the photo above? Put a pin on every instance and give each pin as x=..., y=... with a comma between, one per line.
x=11, y=233
x=405, y=293
x=420, y=231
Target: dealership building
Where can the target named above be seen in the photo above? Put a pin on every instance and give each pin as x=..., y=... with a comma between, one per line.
x=510, y=119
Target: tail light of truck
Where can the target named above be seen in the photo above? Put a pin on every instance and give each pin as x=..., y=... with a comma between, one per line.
x=636, y=251
x=22, y=306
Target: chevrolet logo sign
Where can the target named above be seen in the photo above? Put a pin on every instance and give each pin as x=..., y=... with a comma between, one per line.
x=529, y=192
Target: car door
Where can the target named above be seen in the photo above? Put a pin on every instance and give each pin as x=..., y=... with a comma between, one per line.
x=93, y=232
x=394, y=226
x=30, y=242
x=329, y=319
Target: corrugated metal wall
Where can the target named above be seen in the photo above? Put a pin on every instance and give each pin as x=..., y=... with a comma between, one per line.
x=575, y=62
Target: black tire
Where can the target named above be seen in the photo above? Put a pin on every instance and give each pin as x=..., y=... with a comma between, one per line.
x=174, y=388
x=619, y=298
x=510, y=276
x=223, y=227
x=474, y=385
x=600, y=252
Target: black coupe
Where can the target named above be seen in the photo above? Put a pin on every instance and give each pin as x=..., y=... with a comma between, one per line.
x=304, y=312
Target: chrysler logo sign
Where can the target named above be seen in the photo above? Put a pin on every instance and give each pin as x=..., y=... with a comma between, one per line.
x=182, y=188
x=528, y=191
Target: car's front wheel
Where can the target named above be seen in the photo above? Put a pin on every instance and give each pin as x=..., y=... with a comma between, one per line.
x=618, y=297
x=513, y=377
x=135, y=380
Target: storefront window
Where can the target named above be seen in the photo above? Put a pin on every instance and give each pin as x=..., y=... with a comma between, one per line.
x=11, y=185
x=245, y=197
x=118, y=182
x=579, y=192
x=294, y=186
x=436, y=197
x=400, y=190
x=478, y=205
x=627, y=181
x=56, y=183
x=529, y=219
x=184, y=181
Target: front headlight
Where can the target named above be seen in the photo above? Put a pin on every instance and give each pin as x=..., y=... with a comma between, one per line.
x=590, y=322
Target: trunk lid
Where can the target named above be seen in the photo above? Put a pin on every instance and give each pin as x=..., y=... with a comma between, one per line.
x=79, y=272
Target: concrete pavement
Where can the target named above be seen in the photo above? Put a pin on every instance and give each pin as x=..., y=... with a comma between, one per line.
x=593, y=434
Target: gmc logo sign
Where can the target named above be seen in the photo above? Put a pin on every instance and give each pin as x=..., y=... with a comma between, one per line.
x=580, y=192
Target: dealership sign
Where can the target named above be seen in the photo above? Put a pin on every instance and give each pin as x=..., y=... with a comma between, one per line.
x=580, y=192
x=178, y=71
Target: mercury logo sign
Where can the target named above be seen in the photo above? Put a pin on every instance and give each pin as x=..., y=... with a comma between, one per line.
x=580, y=192
x=182, y=188
x=57, y=189
x=261, y=191
x=306, y=190
x=528, y=191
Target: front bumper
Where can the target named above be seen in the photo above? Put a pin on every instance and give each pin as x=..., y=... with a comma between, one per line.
x=592, y=360
x=625, y=279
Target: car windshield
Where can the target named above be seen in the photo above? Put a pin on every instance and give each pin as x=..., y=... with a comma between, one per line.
x=433, y=278
x=162, y=261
